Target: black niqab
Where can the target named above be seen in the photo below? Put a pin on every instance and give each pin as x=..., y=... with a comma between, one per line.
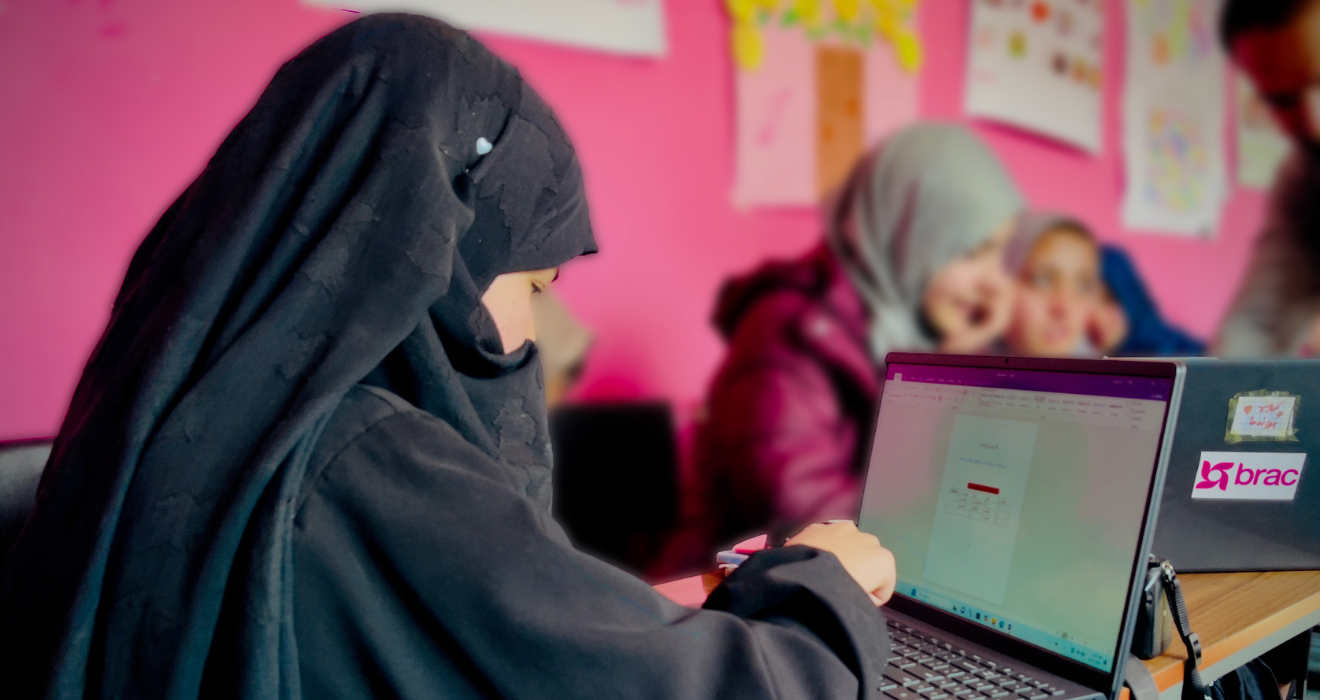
x=299, y=376
x=348, y=226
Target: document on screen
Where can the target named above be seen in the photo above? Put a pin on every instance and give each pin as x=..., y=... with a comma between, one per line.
x=980, y=501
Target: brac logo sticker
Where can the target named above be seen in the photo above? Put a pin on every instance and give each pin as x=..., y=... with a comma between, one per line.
x=1249, y=476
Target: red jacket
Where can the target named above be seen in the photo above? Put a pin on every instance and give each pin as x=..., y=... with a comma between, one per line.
x=790, y=410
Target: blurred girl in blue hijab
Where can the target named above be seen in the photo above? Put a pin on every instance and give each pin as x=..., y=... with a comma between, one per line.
x=1127, y=322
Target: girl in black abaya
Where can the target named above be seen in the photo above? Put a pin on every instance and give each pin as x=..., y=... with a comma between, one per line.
x=309, y=456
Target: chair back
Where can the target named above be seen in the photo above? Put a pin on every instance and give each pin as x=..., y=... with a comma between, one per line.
x=616, y=479
x=21, y=465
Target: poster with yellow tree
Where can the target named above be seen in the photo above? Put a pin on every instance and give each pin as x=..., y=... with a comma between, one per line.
x=816, y=84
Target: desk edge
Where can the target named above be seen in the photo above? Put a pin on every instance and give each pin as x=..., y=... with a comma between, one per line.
x=1242, y=646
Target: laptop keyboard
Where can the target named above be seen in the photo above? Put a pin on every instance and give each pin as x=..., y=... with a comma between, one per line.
x=922, y=667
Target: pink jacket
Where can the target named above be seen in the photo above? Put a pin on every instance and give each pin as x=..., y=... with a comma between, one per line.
x=789, y=412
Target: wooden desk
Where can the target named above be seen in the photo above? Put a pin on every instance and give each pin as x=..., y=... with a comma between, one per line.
x=691, y=591
x=1238, y=616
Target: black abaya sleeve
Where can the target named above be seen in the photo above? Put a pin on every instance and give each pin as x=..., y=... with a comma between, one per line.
x=421, y=570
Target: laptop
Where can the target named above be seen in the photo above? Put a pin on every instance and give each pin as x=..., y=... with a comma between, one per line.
x=1016, y=496
x=1241, y=493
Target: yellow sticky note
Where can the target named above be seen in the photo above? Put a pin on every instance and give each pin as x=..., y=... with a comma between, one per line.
x=895, y=7
x=909, y=50
x=740, y=10
x=808, y=11
x=886, y=24
x=748, y=47
x=847, y=9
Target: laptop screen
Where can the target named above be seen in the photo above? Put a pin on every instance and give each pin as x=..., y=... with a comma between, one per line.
x=1015, y=498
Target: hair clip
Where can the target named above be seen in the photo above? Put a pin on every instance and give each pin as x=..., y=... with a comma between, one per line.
x=483, y=146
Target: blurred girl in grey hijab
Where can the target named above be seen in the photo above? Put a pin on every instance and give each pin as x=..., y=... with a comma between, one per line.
x=912, y=260
x=920, y=231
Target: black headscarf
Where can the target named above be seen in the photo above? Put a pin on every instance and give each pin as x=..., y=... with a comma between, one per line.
x=343, y=233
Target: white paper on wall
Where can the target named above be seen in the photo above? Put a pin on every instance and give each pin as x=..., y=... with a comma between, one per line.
x=1173, y=118
x=1038, y=65
x=1261, y=144
x=618, y=26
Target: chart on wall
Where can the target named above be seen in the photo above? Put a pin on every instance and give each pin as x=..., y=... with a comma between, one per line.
x=1039, y=65
x=816, y=83
x=1173, y=118
x=617, y=26
x=1261, y=144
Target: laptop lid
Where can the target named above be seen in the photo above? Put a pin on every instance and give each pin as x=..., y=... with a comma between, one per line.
x=1016, y=496
x=1241, y=492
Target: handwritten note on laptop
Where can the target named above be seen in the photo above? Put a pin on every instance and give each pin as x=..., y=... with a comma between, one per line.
x=1262, y=418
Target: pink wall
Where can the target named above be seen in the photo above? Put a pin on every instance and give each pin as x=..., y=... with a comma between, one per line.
x=111, y=106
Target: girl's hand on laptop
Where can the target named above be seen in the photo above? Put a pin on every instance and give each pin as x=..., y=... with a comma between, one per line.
x=870, y=565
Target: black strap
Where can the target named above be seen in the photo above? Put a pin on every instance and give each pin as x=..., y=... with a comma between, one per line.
x=1139, y=681
x=1193, y=688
